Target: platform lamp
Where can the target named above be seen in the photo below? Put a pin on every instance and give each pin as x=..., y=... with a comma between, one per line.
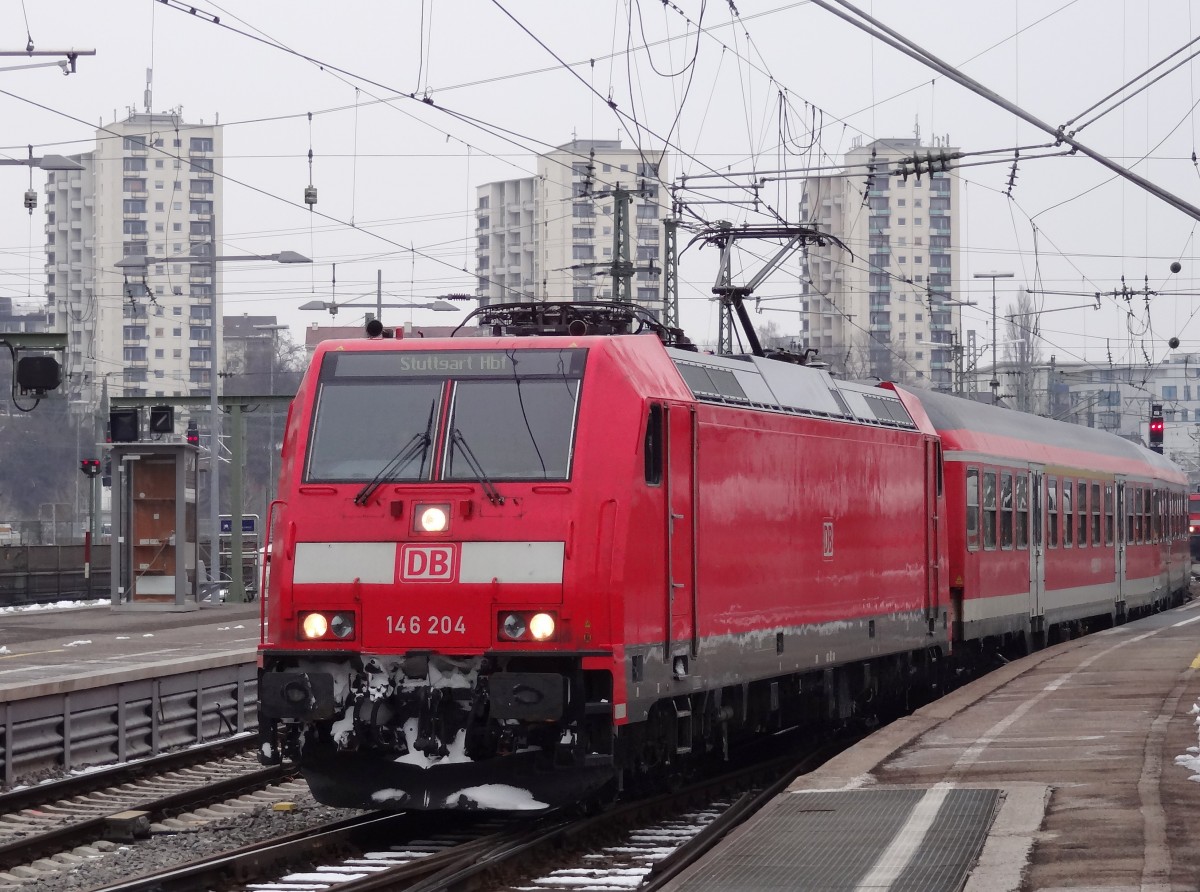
x=135, y=264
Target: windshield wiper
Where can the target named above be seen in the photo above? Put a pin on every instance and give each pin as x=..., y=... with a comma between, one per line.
x=489, y=489
x=417, y=446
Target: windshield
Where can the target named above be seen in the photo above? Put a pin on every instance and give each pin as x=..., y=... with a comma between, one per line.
x=518, y=429
x=515, y=409
x=360, y=427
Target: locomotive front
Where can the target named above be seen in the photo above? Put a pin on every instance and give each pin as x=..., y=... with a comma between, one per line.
x=417, y=648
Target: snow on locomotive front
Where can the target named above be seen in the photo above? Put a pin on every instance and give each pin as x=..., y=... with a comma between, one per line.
x=436, y=633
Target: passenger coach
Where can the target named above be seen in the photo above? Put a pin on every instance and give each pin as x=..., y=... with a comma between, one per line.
x=1054, y=523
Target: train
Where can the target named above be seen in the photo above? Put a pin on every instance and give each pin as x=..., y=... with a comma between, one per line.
x=571, y=557
x=1194, y=525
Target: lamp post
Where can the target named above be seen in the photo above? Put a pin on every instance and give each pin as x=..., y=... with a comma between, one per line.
x=141, y=262
x=46, y=162
x=437, y=305
x=274, y=330
x=995, y=382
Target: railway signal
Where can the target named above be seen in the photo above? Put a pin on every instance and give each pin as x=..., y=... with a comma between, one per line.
x=90, y=467
x=1156, y=427
x=123, y=426
x=193, y=434
x=162, y=420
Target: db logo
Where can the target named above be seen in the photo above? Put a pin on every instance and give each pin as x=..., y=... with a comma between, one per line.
x=827, y=539
x=427, y=563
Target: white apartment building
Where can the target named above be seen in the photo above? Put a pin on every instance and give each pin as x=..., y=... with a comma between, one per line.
x=551, y=236
x=149, y=189
x=881, y=306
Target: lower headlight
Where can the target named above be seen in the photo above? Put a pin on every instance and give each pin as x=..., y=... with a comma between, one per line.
x=314, y=625
x=514, y=626
x=541, y=626
x=317, y=626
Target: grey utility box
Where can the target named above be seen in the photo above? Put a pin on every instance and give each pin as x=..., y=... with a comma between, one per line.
x=155, y=549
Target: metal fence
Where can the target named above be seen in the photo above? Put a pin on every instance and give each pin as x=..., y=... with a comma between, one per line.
x=118, y=722
x=42, y=574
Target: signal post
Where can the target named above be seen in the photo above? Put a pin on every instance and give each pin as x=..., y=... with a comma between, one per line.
x=90, y=468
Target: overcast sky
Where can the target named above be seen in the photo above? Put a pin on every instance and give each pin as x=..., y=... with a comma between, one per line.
x=765, y=86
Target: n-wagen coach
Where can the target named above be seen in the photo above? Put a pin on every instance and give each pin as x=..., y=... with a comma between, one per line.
x=1194, y=524
x=516, y=572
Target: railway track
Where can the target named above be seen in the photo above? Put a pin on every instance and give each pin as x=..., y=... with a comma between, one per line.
x=48, y=828
x=421, y=852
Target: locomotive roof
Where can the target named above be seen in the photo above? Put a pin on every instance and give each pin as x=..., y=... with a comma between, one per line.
x=968, y=425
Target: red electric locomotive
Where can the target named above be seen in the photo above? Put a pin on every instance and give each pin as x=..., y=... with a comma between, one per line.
x=517, y=572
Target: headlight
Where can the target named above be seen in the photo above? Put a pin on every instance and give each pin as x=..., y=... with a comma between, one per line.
x=541, y=626
x=432, y=518
x=342, y=625
x=514, y=626
x=518, y=626
x=316, y=626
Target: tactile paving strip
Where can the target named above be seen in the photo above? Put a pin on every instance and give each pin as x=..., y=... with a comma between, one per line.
x=835, y=841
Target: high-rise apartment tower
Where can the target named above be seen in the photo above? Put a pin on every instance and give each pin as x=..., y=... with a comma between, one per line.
x=550, y=237
x=890, y=310
x=151, y=188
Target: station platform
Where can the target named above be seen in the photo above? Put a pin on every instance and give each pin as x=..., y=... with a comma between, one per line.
x=60, y=650
x=1074, y=768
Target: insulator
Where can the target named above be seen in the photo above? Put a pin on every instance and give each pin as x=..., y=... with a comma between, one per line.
x=30, y=200
x=310, y=195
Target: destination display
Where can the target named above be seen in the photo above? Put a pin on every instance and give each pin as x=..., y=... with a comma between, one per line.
x=457, y=364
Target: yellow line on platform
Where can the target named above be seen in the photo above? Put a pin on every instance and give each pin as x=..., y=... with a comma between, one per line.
x=1196, y=662
x=34, y=653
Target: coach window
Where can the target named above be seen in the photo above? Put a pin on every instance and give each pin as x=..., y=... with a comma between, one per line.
x=973, y=508
x=1108, y=514
x=1068, y=518
x=1052, y=512
x=1022, y=511
x=1006, y=510
x=989, y=509
x=1135, y=525
x=1146, y=537
x=1081, y=514
x=1095, y=505
x=653, y=446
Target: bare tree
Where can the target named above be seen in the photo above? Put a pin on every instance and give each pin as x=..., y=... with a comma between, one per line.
x=1022, y=353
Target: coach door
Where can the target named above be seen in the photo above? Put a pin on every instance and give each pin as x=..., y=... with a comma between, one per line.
x=1121, y=543
x=1037, y=544
x=933, y=489
x=681, y=529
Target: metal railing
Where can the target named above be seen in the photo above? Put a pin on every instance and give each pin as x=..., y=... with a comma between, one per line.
x=75, y=729
x=41, y=574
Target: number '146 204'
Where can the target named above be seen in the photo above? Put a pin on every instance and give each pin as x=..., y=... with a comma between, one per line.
x=429, y=625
